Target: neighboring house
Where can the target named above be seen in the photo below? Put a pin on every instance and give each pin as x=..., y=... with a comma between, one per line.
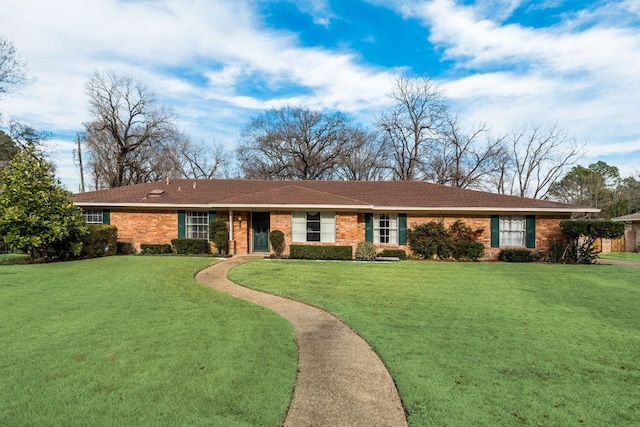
x=320, y=212
x=631, y=231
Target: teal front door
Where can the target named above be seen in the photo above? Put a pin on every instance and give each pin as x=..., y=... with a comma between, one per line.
x=260, y=224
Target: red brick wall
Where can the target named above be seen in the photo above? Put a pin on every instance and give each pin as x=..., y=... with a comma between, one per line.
x=145, y=226
x=162, y=226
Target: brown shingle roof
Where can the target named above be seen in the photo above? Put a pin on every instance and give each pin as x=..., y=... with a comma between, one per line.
x=415, y=195
x=630, y=217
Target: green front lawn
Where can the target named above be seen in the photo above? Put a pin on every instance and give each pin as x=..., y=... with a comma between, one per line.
x=11, y=257
x=622, y=256
x=137, y=341
x=472, y=344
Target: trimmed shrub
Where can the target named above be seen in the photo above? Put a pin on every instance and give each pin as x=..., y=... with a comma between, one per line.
x=517, y=255
x=191, y=246
x=398, y=253
x=219, y=235
x=155, y=249
x=100, y=241
x=320, y=252
x=276, y=238
x=365, y=251
x=221, y=240
x=125, y=248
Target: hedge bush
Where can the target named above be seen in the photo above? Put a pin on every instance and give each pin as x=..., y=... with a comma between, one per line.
x=155, y=249
x=320, y=252
x=459, y=241
x=191, y=246
x=365, y=251
x=518, y=255
x=101, y=240
x=582, y=234
x=397, y=253
x=125, y=248
x=276, y=238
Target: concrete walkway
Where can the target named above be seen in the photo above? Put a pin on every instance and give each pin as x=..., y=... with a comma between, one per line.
x=341, y=381
x=619, y=263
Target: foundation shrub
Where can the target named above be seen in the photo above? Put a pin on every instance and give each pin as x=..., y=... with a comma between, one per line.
x=125, y=248
x=101, y=240
x=320, y=252
x=459, y=241
x=276, y=238
x=219, y=235
x=365, y=251
x=191, y=246
x=398, y=253
x=155, y=249
x=517, y=255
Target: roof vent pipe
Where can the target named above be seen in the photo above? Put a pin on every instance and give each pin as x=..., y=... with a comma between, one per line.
x=194, y=184
x=168, y=181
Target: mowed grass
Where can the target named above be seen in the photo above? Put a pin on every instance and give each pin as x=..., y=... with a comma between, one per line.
x=486, y=344
x=9, y=257
x=137, y=341
x=622, y=256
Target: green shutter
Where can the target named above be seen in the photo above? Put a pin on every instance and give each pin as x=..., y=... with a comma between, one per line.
x=212, y=216
x=368, y=227
x=106, y=216
x=495, y=231
x=402, y=229
x=182, y=221
x=531, y=231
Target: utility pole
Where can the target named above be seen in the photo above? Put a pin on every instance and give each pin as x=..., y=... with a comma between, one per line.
x=79, y=151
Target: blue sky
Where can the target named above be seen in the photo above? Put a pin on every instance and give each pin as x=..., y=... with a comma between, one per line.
x=507, y=63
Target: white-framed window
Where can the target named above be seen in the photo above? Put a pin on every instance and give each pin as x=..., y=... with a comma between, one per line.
x=513, y=230
x=197, y=225
x=313, y=227
x=385, y=228
x=92, y=216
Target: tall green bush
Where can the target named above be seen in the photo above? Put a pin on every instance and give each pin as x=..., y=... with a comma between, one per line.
x=276, y=238
x=582, y=234
x=102, y=240
x=219, y=235
x=459, y=241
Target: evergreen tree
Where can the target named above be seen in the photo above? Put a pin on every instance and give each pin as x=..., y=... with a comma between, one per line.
x=37, y=216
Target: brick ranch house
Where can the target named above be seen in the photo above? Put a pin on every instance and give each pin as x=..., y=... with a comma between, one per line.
x=319, y=212
x=631, y=231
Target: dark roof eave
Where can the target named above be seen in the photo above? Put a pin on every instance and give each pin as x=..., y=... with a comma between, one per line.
x=363, y=207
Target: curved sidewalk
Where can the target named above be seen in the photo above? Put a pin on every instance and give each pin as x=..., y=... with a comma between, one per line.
x=341, y=381
x=619, y=263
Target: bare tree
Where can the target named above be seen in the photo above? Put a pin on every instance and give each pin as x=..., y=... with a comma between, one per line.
x=412, y=125
x=129, y=135
x=293, y=143
x=367, y=159
x=201, y=161
x=538, y=157
x=464, y=159
x=12, y=68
